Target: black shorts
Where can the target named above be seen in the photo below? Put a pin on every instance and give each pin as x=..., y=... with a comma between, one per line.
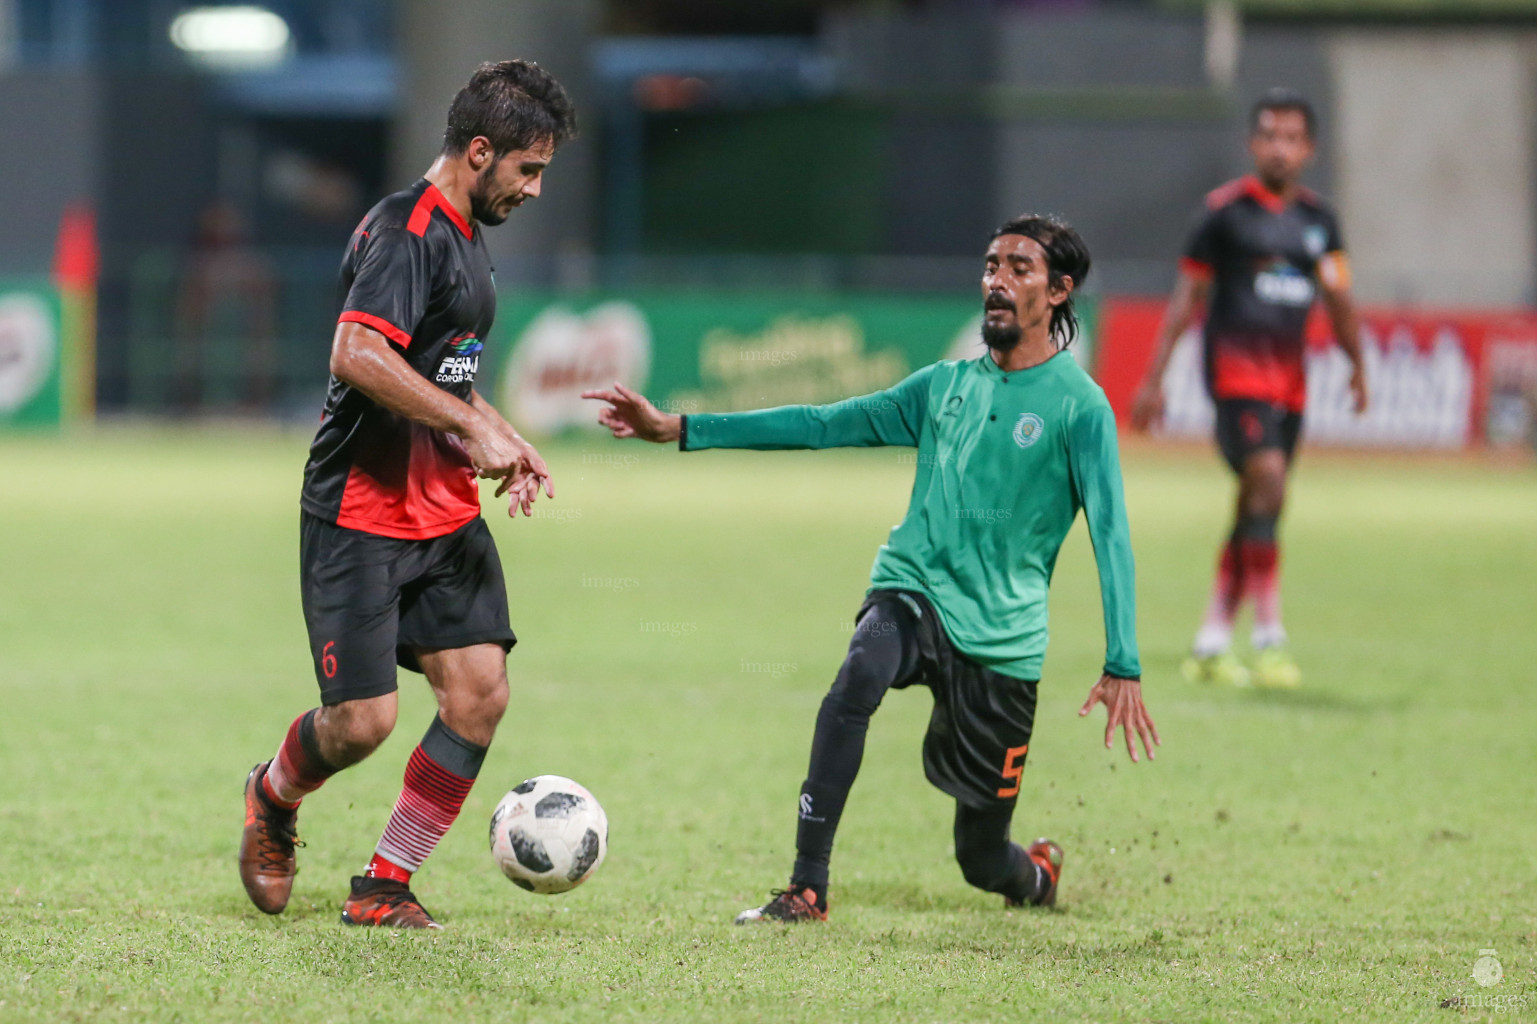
x=371, y=601
x=979, y=732
x=1248, y=425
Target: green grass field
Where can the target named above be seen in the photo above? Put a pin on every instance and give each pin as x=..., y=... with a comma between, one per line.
x=1342, y=852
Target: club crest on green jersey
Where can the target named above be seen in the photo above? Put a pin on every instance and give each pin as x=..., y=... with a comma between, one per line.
x=1028, y=430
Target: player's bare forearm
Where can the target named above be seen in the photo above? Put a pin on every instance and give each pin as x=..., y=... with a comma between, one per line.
x=363, y=358
x=1185, y=304
x=1341, y=309
x=479, y=403
x=1124, y=710
x=1346, y=323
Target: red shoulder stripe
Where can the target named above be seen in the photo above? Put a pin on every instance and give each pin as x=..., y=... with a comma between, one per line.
x=1249, y=186
x=421, y=213
x=379, y=324
x=1222, y=195
x=1196, y=269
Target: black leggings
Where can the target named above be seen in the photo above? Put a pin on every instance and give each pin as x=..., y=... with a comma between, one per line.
x=884, y=652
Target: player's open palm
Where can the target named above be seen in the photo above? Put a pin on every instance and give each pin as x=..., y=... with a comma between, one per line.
x=631, y=414
x=1123, y=704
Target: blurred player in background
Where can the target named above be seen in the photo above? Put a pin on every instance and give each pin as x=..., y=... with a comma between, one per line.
x=1010, y=446
x=1260, y=253
x=397, y=566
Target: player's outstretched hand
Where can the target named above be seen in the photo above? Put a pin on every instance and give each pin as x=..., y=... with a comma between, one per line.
x=1123, y=700
x=630, y=414
x=1147, y=406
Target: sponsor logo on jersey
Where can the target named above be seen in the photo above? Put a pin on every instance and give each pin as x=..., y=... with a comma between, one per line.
x=1028, y=430
x=1315, y=239
x=1284, y=285
x=461, y=367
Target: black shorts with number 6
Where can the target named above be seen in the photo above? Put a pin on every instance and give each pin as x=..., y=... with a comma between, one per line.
x=979, y=732
x=1247, y=425
x=371, y=601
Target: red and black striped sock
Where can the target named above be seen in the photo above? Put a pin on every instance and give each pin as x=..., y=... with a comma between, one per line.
x=298, y=769
x=1262, y=585
x=438, y=778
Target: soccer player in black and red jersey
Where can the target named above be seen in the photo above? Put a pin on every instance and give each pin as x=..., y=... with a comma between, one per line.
x=1261, y=252
x=396, y=564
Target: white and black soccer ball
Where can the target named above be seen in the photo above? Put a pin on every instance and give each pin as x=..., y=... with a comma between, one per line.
x=549, y=834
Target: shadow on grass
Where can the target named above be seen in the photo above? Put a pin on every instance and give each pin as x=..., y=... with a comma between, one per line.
x=1329, y=701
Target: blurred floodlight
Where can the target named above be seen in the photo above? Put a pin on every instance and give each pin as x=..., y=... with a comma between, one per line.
x=245, y=36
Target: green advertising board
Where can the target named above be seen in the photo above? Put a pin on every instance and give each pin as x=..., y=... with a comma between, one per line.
x=720, y=351
x=31, y=373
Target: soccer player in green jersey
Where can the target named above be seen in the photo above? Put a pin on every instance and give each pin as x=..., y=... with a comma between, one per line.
x=1010, y=446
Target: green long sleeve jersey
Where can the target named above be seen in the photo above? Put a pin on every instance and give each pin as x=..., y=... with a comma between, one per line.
x=1005, y=461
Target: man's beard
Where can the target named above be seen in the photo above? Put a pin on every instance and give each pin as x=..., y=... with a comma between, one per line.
x=1002, y=337
x=480, y=206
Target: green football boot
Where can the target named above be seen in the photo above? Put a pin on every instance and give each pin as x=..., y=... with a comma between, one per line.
x=1275, y=668
x=1221, y=669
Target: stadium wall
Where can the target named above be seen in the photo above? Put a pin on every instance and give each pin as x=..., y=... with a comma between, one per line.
x=1440, y=379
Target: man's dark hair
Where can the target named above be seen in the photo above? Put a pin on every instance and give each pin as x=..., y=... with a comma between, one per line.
x=1279, y=99
x=514, y=103
x=1066, y=256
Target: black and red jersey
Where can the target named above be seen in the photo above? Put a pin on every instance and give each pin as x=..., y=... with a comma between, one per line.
x=1262, y=254
x=418, y=273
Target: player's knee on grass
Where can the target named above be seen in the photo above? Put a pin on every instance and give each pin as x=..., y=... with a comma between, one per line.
x=984, y=856
x=988, y=860
x=350, y=731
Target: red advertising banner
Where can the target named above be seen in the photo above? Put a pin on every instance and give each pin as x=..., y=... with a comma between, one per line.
x=1439, y=378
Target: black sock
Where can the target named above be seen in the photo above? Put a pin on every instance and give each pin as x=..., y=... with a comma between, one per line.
x=819, y=809
x=1261, y=528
